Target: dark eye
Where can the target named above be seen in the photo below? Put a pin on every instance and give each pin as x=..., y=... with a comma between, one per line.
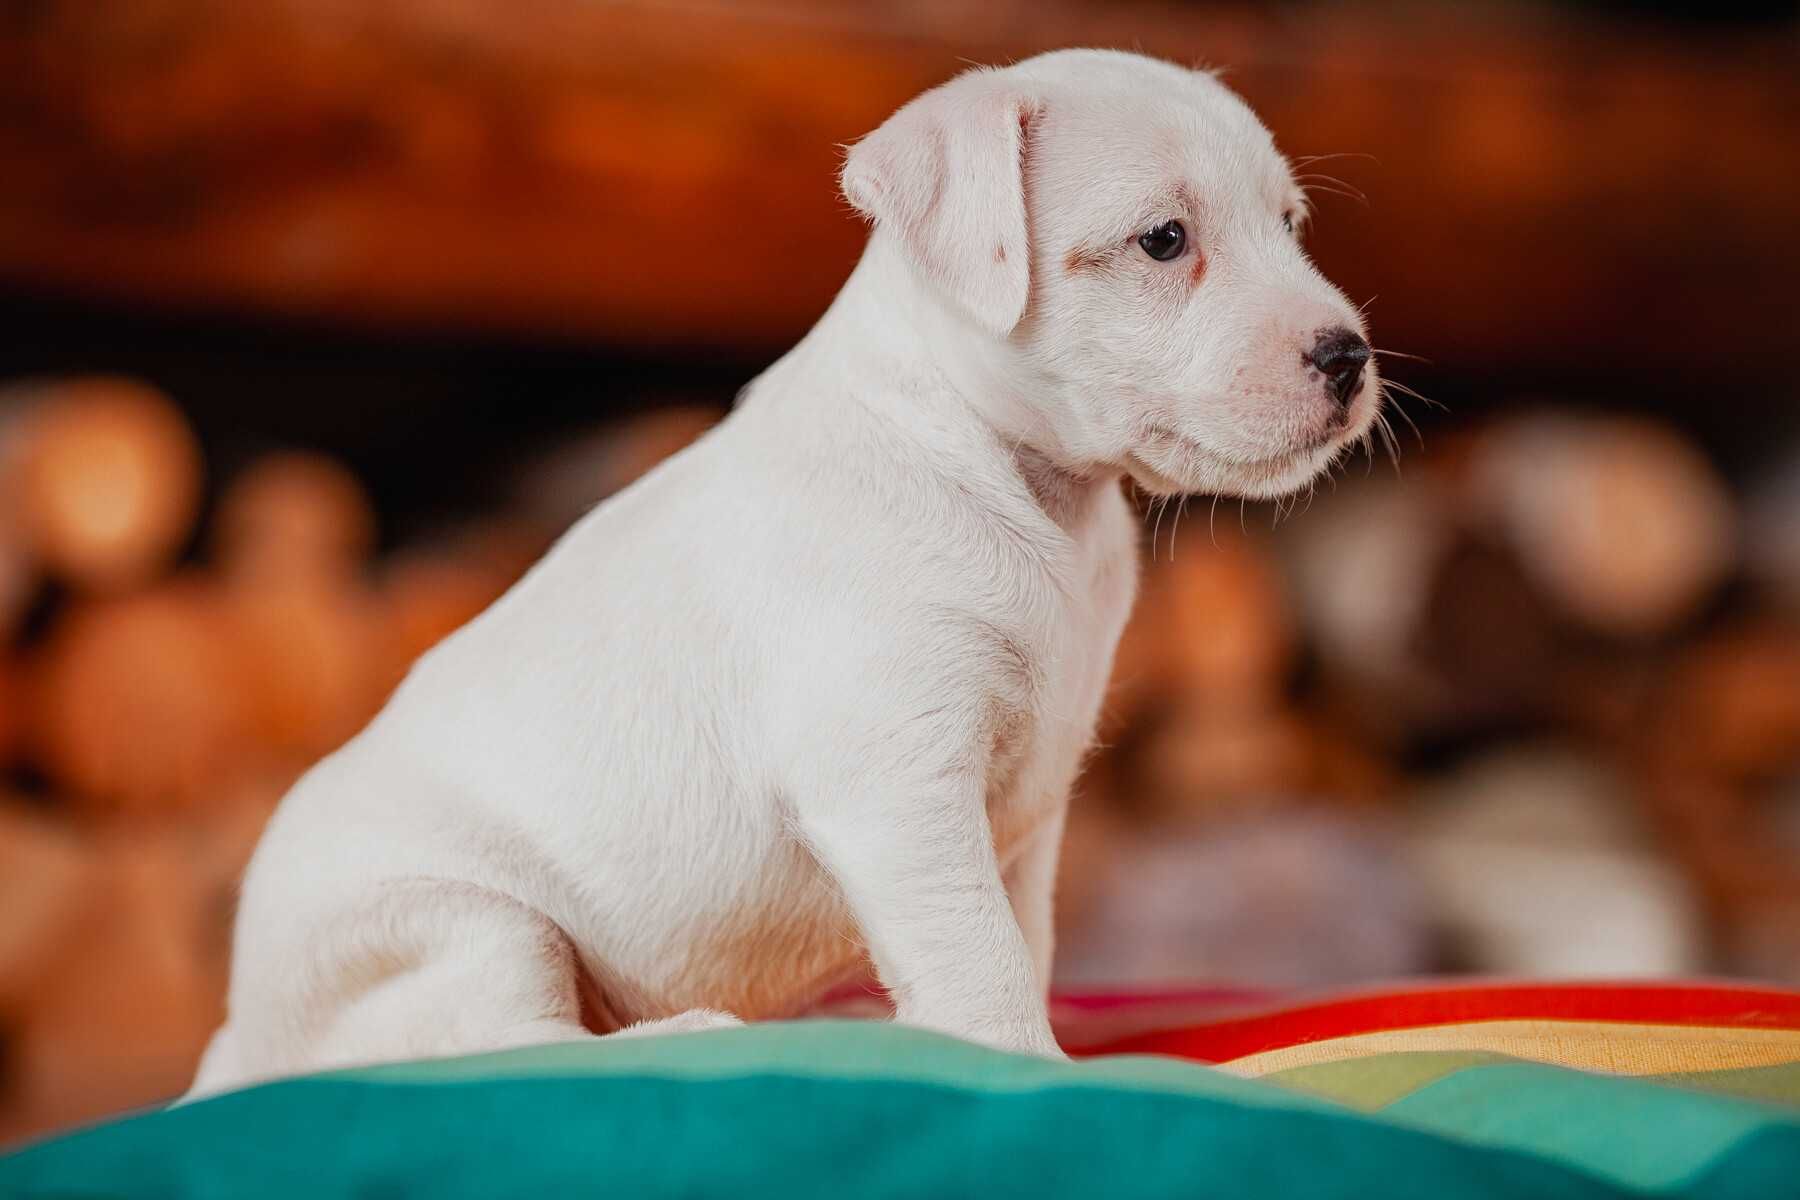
x=1287, y=221
x=1164, y=242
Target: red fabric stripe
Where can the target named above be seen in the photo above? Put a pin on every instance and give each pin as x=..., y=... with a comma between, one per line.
x=1198, y=998
x=1709, y=1004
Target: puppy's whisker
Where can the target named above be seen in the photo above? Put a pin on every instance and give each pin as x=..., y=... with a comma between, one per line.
x=1387, y=436
x=1316, y=183
x=1166, y=502
x=1332, y=184
x=1212, y=531
x=1394, y=403
x=1310, y=188
x=1331, y=190
x=1321, y=177
x=1399, y=354
x=1307, y=160
x=1312, y=489
x=1416, y=395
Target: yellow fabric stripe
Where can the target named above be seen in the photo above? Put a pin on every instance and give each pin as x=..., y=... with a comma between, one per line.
x=1616, y=1049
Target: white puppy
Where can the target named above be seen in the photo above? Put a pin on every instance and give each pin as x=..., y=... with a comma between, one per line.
x=820, y=684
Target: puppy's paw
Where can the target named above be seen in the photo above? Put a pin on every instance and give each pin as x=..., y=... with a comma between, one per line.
x=694, y=1020
x=1022, y=1038
x=1035, y=1042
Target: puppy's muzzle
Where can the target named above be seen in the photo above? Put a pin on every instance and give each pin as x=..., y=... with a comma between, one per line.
x=1340, y=355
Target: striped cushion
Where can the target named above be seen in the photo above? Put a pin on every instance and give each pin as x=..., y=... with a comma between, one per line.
x=1428, y=1092
x=1620, y=1028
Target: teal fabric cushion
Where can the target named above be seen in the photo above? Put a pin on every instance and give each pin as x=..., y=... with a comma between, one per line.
x=835, y=1108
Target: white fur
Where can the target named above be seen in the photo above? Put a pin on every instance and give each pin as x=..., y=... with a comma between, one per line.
x=822, y=681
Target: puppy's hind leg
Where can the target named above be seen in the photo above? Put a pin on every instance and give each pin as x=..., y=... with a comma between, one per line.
x=430, y=968
x=479, y=971
x=423, y=968
x=419, y=968
x=447, y=968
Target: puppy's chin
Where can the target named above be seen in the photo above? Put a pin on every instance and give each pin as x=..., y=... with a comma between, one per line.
x=1278, y=478
x=1183, y=469
x=1152, y=481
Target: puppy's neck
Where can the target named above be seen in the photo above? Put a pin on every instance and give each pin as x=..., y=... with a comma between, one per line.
x=889, y=324
x=889, y=345
x=1066, y=497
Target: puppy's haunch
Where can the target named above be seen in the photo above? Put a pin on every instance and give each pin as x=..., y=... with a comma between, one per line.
x=822, y=681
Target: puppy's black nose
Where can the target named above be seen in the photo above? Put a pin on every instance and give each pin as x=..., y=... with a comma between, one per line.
x=1341, y=354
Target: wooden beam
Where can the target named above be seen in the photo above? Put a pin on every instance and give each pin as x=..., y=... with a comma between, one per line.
x=663, y=173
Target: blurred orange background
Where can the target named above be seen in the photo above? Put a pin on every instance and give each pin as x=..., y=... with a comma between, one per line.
x=322, y=318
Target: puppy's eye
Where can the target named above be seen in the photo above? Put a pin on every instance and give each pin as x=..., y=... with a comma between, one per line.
x=1287, y=221
x=1164, y=242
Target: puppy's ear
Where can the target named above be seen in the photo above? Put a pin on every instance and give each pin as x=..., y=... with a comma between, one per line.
x=947, y=174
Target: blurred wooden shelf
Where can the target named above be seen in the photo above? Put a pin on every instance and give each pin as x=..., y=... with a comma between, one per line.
x=662, y=174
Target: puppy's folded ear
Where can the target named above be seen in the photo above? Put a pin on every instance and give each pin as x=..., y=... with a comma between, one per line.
x=947, y=174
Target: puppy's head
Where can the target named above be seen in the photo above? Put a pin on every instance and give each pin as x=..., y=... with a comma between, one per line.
x=1126, y=236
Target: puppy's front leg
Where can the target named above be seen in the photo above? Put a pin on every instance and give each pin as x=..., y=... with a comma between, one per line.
x=922, y=881
x=1031, y=882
